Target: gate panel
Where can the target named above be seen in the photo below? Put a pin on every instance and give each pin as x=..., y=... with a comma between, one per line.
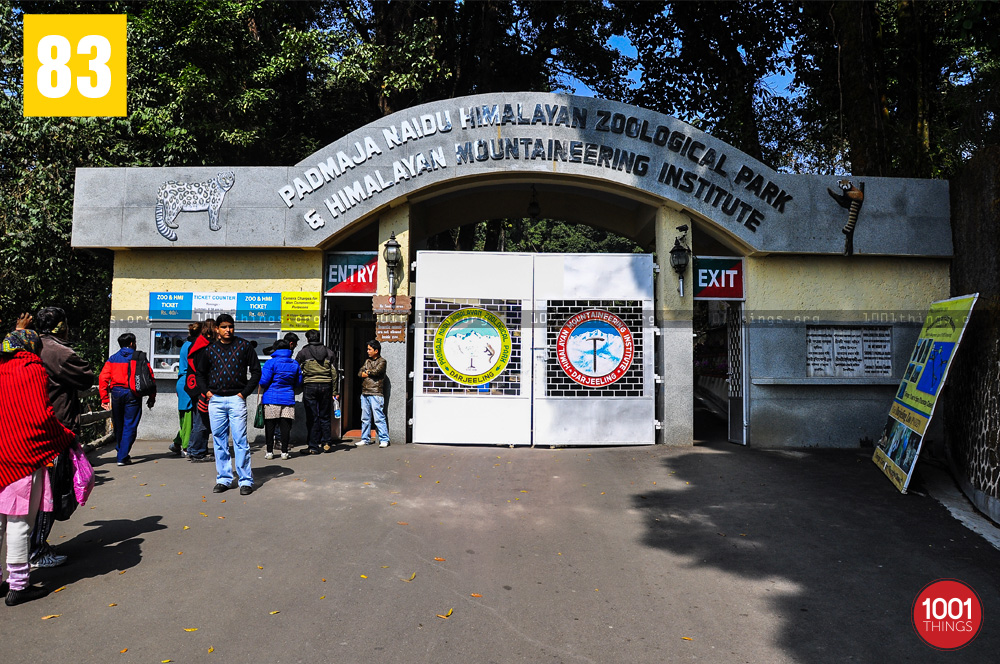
x=593, y=382
x=737, y=374
x=544, y=349
x=469, y=327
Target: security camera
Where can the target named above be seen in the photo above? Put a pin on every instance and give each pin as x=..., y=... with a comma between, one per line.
x=683, y=229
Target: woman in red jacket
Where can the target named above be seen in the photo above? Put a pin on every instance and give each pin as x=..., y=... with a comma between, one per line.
x=31, y=438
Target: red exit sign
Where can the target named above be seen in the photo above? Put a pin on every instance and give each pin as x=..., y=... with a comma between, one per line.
x=718, y=278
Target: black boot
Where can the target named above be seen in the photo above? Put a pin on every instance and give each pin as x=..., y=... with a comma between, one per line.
x=15, y=597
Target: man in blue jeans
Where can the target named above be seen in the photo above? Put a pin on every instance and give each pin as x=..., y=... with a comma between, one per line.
x=223, y=366
x=372, y=375
x=117, y=396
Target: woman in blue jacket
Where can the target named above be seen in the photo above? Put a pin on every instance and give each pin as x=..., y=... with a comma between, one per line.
x=279, y=378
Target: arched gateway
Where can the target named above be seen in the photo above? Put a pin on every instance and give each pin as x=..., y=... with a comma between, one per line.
x=817, y=339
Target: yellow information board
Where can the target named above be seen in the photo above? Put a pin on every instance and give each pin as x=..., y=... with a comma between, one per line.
x=923, y=378
x=300, y=310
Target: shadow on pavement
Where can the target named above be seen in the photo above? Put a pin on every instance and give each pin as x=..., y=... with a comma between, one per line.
x=265, y=473
x=839, y=552
x=110, y=546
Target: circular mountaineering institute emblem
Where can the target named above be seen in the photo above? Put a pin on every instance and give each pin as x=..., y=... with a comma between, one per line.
x=595, y=348
x=472, y=346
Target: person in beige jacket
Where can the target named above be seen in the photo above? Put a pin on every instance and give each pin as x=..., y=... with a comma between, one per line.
x=372, y=375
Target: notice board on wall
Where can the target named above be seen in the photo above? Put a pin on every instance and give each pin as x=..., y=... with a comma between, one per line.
x=844, y=351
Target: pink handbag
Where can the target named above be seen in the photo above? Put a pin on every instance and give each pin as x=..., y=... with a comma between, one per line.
x=83, y=475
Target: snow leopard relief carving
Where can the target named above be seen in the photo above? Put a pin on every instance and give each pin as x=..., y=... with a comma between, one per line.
x=176, y=197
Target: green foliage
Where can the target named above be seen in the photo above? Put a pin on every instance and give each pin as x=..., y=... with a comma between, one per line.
x=881, y=87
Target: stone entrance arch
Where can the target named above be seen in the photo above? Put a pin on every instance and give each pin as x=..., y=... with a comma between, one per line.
x=632, y=170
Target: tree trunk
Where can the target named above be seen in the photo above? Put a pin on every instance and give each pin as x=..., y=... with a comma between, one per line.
x=856, y=29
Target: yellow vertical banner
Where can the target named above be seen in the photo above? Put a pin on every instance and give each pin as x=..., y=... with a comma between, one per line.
x=923, y=377
x=300, y=310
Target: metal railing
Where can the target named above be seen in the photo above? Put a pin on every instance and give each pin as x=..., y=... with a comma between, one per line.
x=95, y=422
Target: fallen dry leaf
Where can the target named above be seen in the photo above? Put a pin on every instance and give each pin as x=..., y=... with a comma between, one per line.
x=475, y=595
x=204, y=500
x=190, y=629
x=54, y=615
x=440, y=560
x=274, y=612
x=363, y=576
x=260, y=567
x=222, y=517
x=143, y=484
x=211, y=649
x=385, y=567
x=687, y=638
x=60, y=588
x=223, y=500
x=122, y=572
x=392, y=503
x=187, y=527
x=323, y=580
x=180, y=553
x=202, y=513
x=322, y=596
x=123, y=650
x=112, y=604
x=164, y=661
x=148, y=495
x=445, y=616
x=402, y=523
x=412, y=577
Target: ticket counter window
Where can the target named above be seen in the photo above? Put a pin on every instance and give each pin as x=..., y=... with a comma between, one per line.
x=166, y=345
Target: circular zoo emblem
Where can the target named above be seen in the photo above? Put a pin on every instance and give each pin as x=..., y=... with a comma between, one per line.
x=595, y=348
x=472, y=346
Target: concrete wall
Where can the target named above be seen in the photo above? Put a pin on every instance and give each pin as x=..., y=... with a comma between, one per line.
x=137, y=273
x=675, y=394
x=397, y=385
x=785, y=294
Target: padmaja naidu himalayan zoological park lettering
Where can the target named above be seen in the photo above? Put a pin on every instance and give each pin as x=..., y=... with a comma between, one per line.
x=531, y=132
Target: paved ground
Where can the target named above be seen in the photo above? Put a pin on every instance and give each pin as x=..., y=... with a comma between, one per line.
x=712, y=553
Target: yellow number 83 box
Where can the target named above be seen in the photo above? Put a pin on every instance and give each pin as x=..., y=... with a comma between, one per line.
x=74, y=65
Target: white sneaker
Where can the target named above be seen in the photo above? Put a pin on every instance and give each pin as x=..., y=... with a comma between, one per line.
x=284, y=455
x=49, y=559
x=384, y=444
x=268, y=456
x=362, y=443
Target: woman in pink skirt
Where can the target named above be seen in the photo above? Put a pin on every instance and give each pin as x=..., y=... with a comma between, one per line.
x=31, y=439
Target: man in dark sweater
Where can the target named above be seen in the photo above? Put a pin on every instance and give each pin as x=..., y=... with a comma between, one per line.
x=223, y=367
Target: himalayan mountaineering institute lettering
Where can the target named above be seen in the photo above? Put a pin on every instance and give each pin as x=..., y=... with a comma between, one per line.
x=674, y=172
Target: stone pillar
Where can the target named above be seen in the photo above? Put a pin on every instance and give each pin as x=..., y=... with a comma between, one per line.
x=675, y=364
x=396, y=220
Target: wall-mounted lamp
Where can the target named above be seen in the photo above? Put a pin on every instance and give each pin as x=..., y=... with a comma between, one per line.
x=534, y=209
x=393, y=257
x=679, y=256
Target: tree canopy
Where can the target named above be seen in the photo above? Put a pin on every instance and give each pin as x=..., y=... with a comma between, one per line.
x=873, y=87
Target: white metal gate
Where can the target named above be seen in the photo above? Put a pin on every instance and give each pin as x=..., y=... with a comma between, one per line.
x=533, y=349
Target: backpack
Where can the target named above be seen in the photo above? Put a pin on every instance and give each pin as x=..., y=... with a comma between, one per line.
x=140, y=375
